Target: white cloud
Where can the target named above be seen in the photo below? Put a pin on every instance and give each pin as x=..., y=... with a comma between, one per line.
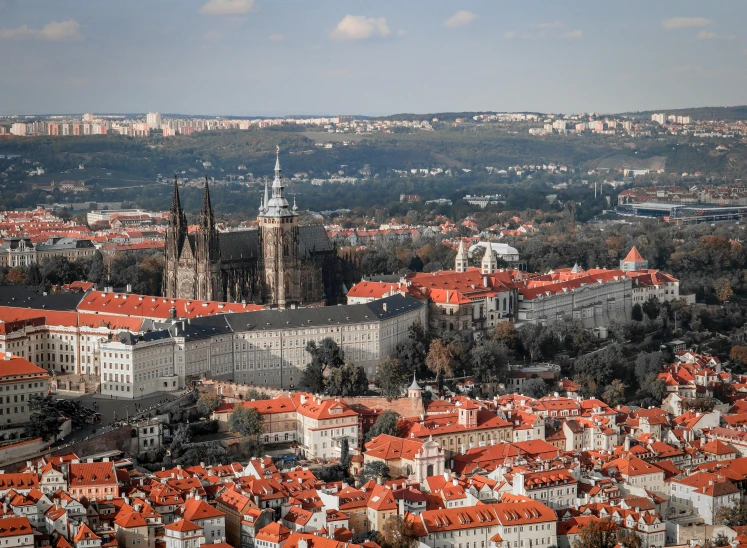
x=685, y=23
x=574, y=35
x=513, y=35
x=277, y=37
x=56, y=31
x=553, y=25
x=401, y=32
x=227, y=7
x=360, y=27
x=707, y=35
x=462, y=18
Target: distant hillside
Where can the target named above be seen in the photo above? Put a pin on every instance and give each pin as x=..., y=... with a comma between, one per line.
x=622, y=161
x=700, y=113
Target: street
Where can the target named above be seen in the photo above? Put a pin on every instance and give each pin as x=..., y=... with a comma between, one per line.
x=113, y=409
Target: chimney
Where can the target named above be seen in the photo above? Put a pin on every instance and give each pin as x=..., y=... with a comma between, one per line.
x=7, y=356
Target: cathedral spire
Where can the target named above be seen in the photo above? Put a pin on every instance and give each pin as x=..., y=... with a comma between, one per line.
x=277, y=161
x=175, y=201
x=276, y=205
x=206, y=213
x=266, y=200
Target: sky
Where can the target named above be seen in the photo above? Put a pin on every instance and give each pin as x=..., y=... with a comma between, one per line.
x=373, y=57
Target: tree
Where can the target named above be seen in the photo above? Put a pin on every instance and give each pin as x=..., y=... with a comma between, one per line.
x=16, y=276
x=537, y=341
x=489, y=360
x=614, y=393
x=182, y=437
x=325, y=355
x=412, y=354
x=738, y=354
x=348, y=380
x=345, y=453
x=246, y=421
x=704, y=405
x=374, y=470
x=535, y=388
x=208, y=402
x=732, y=516
x=600, y=365
x=44, y=421
x=312, y=378
x=647, y=363
x=597, y=534
x=398, y=533
x=505, y=332
x=628, y=539
x=439, y=359
x=387, y=423
x=722, y=289
x=97, y=269
x=390, y=377
x=637, y=313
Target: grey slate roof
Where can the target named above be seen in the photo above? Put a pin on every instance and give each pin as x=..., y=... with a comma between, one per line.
x=313, y=238
x=22, y=297
x=389, y=307
x=65, y=243
x=243, y=244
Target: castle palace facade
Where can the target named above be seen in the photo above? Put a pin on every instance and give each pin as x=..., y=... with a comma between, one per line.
x=280, y=264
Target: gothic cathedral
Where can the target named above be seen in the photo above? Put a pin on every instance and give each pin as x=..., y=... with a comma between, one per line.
x=281, y=264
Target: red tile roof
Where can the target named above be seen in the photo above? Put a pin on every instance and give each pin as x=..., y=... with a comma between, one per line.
x=143, y=306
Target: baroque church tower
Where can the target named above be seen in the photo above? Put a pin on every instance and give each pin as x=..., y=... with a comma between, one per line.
x=279, y=246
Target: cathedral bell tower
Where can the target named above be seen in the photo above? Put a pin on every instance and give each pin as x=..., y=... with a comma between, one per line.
x=207, y=253
x=279, y=246
x=176, y=234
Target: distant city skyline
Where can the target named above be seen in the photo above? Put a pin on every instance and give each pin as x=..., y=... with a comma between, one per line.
x=262, y=58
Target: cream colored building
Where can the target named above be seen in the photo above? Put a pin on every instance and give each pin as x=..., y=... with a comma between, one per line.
x=20, y=380
x=264, y=348
x=130, y=373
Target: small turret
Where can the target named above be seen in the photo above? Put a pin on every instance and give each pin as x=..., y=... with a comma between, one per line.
x=414, y=391
x=489, y=264
x=462, y=260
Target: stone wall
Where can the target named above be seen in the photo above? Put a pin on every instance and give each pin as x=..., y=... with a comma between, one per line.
x=20, y=450
x=118, y=439
x=236, y=391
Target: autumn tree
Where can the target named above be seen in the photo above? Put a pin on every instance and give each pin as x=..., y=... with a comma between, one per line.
x=597, y=534
x=505, y=332
x=628, y=539
x=439, y=360
x=207, y=403
x=722, y=289
x=398, y=533
x=732, y=516
x=614, y=393
x=738, y=354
